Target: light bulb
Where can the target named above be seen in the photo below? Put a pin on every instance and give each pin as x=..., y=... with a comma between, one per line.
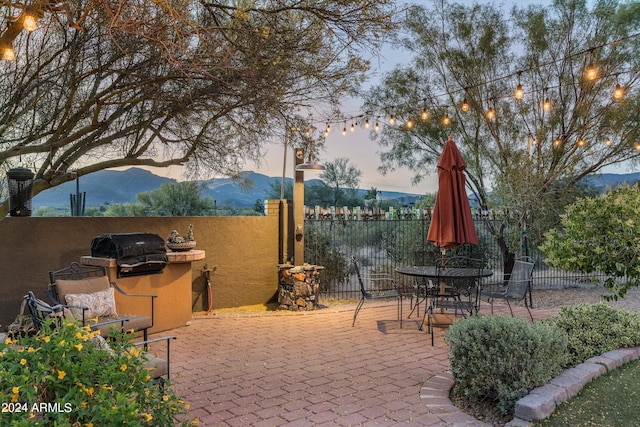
x=425, y=114
x=592, y=72
x=557, y=142
x=446, y=120
x=465, y=105
x=581, y=142
x=344, y=131
x=328, y=129
x=546, y=105
x=618, y=92
x=29, y=22
x=392, y=120
x=519, y=94
x=491, y=114
x=376, y=127
x=366, y=124
x=607, y=142
x=638, y=146
x=8, y=53
x=409, y=124
x=353, y=127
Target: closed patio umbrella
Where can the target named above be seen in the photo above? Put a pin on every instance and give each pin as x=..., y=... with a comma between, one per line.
x=451, y=224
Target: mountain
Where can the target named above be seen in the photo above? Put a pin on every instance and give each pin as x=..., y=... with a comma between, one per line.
x=605, y=181
x=111, y=186
x=107, y=186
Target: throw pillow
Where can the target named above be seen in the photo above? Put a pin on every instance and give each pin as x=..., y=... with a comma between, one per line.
x=101, y=303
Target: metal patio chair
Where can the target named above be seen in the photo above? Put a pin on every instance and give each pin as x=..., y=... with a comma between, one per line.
x=517, y=288
x=378, y=286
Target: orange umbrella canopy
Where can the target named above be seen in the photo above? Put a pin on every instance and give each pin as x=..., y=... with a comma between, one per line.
x=451, y=224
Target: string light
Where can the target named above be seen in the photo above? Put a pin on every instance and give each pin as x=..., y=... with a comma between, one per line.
x=409, y=124
x=546, y=105
x=376, y=127
x=591, y=72
x=366, y=124
x=491, y=114
x=465, y=105
x=29, y=21
x=392, y=120
x=519, y=93
x=344, y=130
x=8, y=53
x=638, y=146
x=425, y=114
x=353, y=127
x=618, y=92
x=446, y=120
x=557, y=142
x=581, y=142
x=607, y=142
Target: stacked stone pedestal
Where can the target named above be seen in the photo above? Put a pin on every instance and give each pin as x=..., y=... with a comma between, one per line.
x=298, y=287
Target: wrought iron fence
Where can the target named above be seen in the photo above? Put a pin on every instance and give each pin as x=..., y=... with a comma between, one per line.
x=381, y=244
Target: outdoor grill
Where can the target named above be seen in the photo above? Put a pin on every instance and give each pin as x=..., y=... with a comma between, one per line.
x=135, y=253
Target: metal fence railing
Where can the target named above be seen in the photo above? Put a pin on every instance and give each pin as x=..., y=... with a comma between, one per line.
x=381, y=245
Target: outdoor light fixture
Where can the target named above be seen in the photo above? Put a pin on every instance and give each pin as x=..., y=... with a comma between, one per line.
x=366, y=124
x=425, y=114
x=376, y=127
x=618, y=92
x=557, y=142
x=465, y=105
x=310, y=165
x=607, y=142
x=581, y=142
x=491, y=113
x=519, y=94
x=546, y=105
x=7, y=52
x=29, y=22
x=392, y=120
x=353, y=127
x=446, y=120
x=344, y=130
x=591, y=72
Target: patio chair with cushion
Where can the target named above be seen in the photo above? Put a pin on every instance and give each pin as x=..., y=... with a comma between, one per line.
x=517, y=288
x=159, y=367
x=376, y=286
x=90, y=294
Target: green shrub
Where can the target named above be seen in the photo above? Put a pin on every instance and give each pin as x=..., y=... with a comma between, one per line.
x=501, y=359
x=60, y=377
x=594, y=329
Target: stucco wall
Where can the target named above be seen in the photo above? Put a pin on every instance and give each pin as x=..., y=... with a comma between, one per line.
x=243, y=250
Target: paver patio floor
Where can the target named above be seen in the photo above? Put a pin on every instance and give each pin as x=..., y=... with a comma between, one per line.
x=313, y=369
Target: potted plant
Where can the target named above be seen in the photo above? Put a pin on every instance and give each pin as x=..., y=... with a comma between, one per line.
x=178, y=242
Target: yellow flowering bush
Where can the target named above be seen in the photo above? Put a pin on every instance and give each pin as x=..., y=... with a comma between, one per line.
x=58, y=377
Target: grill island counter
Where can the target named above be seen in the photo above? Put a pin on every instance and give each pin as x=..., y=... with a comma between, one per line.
x=173, y=288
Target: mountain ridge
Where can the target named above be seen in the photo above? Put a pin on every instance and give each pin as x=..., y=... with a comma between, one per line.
x=111, y=186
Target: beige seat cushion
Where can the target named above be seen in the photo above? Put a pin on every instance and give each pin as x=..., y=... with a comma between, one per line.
x=157, y=367
x=137, y=323
x=81, y=286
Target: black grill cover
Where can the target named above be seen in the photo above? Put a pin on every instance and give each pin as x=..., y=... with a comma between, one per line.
x=135, y=253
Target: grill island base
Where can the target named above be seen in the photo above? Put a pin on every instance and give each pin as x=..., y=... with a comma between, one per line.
x=173, y=288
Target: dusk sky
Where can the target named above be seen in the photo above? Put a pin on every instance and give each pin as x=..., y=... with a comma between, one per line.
x=357, y=146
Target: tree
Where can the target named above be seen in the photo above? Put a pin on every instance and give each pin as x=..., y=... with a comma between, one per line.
x=600, y=234
x=176, y=199
x=340, y=176
x=526, y=158
x=189, y=83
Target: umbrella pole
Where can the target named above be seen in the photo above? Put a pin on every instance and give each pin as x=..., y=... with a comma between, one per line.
x=443, y=252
